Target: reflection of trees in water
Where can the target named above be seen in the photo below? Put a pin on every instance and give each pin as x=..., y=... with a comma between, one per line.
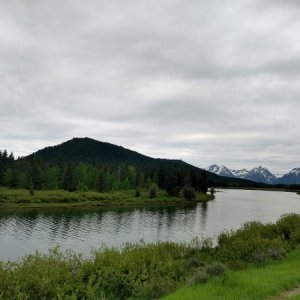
x=84, y=224
x=17, y=224
x=204, y=207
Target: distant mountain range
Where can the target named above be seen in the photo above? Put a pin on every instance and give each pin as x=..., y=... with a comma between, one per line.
x=258, y=174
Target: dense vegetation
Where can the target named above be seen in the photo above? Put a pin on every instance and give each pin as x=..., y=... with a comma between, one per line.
x=269, y=282
x=83, y=164
x=18, y=198
x=148, y=271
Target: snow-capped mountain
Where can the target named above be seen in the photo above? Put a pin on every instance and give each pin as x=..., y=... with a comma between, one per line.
x=261, y=174
x=279, y=175
x=240, y=173
x=220, y=170
x=292, y=177
x=258, y=174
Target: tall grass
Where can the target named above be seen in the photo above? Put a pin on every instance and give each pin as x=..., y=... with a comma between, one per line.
x=250, y=284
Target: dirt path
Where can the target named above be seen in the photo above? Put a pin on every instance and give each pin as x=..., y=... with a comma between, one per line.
x=288, y=294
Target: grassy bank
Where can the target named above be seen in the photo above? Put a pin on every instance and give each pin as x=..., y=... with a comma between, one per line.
x=250, y=284
x=256, y=260
x=18, y=198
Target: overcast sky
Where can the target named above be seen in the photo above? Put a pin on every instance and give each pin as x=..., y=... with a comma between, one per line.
x=204, y=81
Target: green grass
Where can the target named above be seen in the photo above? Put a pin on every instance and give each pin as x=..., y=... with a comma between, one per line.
x=253, y=283
x=14, y=198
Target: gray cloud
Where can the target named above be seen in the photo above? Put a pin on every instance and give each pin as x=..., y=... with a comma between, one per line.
x=208, y=82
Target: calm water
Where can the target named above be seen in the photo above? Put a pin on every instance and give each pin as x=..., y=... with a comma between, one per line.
x=23, y=232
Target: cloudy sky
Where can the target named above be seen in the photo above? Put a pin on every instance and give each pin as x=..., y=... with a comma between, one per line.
x=204, y=81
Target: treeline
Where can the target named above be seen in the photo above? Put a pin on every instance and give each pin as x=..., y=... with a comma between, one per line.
x=5, y=162
x=36, y=174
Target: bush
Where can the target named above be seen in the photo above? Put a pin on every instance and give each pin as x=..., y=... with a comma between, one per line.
x=276, y=254
x=153, y=191
x=199, y=277
x=188, y=193
x=249, y=244
x=137, y=193
x=288, y=228
x=216, y=269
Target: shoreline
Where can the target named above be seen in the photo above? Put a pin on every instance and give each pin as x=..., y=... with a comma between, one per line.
x=258, y=259
x=260, y=189
x=21, y=199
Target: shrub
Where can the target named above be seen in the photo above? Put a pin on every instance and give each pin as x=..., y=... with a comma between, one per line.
x=137, y=193
x=188, y=193
x=216, y=269
x=194, y=262
x=152, y=191
x=276, y=254
x=199, y=277
x=259, y=258
x=248, y=244
x=288, y=228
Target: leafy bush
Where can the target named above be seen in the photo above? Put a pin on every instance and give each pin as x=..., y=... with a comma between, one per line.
x=188, y=193
x=199, y=277
x=289, y=228
x=247, y=244
x=216, y=269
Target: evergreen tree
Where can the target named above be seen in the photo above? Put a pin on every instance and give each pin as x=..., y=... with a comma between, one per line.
x=204, y=182
x=51, y=178
x=161, y=178
x=148, y=182
x=140, y=180
x=37, y=177
x=11, y=157
x=100, y=184
x=126, y=184
x=68, y=181
x=172, y=186
x=131, y=175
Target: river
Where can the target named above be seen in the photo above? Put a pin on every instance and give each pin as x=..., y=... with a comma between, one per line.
x=24, y=231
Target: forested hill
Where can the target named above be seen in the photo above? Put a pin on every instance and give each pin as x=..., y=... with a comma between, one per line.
x=90, y=151
x=87, y=164
x=87, y=150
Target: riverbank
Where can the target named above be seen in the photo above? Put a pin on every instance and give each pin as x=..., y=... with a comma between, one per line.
x=255, y=261
x=271, y=189
x=20, y=198
x=254, y=283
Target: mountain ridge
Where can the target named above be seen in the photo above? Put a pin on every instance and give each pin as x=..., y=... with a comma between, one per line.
x=259, y=174
x=89, y=150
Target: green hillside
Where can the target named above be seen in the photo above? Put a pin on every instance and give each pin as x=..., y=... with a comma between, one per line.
x=87, y=150
x=85, y=164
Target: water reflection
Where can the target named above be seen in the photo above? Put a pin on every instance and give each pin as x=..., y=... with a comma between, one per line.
x=23, y=232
